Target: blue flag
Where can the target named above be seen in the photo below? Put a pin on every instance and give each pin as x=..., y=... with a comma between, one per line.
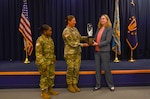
x=132, y=28
x=116, y=45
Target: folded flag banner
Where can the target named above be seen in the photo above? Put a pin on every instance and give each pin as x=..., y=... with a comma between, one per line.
x=116, y=45
x=132, y=28
x=25, y=29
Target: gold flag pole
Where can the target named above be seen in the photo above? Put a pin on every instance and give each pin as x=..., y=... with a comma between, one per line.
x=26, y=60
x=131, y=58
x=116, y=58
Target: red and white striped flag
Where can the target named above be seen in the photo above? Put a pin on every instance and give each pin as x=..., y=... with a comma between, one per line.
x=25, y=29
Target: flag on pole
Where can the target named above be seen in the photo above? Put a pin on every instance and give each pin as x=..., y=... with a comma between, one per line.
x=132, y=28
x=25, y=29
x=116, y=45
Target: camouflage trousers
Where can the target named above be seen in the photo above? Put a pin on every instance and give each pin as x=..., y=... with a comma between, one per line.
x=73, y=61
x=47, y=77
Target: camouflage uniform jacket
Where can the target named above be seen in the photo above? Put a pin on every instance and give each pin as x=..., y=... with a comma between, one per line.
x=71, y=38
x=45, y=51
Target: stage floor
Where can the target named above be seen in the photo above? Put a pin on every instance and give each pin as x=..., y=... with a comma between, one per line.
x=86, y=65
x=14, y=74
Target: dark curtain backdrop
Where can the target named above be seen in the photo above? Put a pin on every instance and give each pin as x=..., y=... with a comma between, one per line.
x=53, y=12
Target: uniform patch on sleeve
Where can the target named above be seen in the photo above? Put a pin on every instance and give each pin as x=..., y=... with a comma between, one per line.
x=66, y=35
x=37, y=44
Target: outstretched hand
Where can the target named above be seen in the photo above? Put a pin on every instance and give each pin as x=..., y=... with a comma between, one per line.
x=85, y=44
x=94, y=43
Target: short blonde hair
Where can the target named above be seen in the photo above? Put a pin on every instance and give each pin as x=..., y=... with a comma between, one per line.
x=108, y=21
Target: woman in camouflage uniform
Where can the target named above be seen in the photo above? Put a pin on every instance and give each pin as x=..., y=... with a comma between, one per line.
x=45, y=60
x=72, y=53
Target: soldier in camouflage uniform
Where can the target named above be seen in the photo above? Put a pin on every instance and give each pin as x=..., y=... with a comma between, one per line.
x=72, y=53
x=45, y=60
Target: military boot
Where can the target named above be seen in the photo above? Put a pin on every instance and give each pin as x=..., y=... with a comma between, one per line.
x=51, y=91
x=45, y=95
x=76, y=88
x=71, y=89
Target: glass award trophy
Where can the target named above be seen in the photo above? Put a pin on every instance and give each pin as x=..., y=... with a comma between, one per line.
x=90, y=33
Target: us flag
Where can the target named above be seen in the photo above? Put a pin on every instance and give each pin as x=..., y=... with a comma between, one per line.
x=25, y=29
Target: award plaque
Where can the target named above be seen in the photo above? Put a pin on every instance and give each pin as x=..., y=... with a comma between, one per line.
x=84, y=39
x=90, y=33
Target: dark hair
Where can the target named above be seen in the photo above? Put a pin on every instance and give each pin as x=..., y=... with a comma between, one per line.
x=44, y=27
x=69, y=18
